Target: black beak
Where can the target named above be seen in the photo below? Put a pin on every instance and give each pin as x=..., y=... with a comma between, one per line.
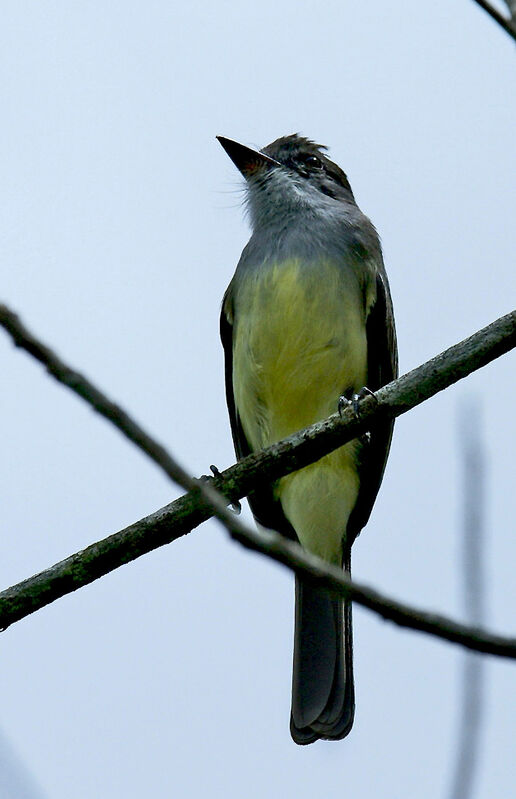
x=247, y=160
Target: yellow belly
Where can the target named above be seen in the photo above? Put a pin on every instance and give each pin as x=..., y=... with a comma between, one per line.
x=299, y=342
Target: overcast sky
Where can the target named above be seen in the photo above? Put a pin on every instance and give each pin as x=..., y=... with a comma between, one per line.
x=120, y=227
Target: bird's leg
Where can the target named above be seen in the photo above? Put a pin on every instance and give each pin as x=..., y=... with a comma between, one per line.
x=364, y=392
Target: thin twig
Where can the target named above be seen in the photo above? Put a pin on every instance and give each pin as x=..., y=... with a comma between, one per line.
x=493, y=12
x=292, y=555
x=85, y=389
x=81, y=386
x=286, y=456
x=473, y=667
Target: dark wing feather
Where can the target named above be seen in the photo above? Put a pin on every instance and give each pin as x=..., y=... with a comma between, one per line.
x=226, y=335
x=382, y=367
x=266, y=509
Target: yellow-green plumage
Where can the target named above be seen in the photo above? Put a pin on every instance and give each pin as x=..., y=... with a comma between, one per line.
x=300, y=344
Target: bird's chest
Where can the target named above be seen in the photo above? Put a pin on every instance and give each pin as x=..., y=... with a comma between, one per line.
x=299, y=342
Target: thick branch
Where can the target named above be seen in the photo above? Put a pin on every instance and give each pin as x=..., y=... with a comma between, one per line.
x=506, y=24
x=304, y=447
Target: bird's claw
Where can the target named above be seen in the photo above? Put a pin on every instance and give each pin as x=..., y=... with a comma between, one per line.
x=205, y=478
x=354, y=401
x=343, y=403
x=235, y=506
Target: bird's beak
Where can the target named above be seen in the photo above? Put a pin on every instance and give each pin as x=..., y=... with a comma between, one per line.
x=247, y=160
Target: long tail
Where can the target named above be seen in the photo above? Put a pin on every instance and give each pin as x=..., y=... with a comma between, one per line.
x=323, y=695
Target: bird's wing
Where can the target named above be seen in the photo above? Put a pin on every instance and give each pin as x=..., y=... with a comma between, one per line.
x=265, y=507
x=382, y=367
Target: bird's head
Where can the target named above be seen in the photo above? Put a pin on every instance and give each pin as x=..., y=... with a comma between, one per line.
x=291, y=173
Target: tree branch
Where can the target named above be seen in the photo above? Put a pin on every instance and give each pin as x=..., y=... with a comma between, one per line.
x=493, y=12
x=81, y=386
x=288, y=455
x=66, y=576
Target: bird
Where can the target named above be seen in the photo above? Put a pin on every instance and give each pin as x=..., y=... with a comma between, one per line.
x=306, y=322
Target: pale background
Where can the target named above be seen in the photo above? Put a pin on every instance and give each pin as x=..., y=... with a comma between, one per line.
x=120, y=227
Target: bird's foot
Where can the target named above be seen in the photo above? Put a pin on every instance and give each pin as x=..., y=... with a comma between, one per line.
x=236, y=507
x=206, y=478
x=354, y=401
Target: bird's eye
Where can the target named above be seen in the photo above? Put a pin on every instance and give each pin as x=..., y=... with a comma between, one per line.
x=313, y=162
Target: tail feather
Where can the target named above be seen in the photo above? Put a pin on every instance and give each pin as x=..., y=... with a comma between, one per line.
x=323, y=700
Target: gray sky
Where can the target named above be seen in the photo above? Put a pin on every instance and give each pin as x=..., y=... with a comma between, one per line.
x=120, y=227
